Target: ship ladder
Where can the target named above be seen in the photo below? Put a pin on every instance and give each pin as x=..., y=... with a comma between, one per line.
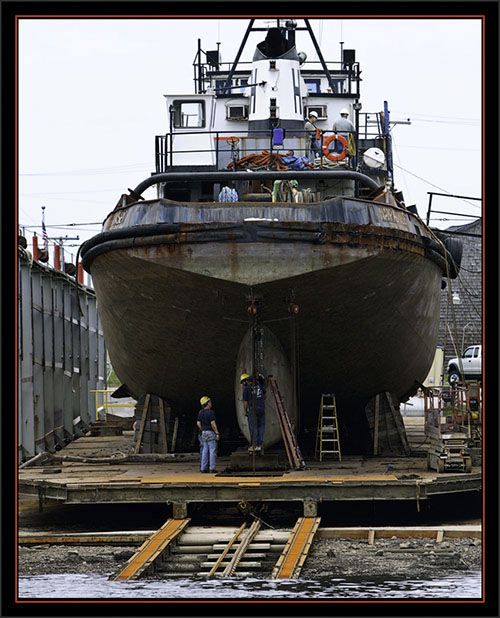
x=291, y=446
x=152, y=549
x=291, y=560
x=327, y=437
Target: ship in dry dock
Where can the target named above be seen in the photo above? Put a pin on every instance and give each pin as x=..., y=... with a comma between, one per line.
x=251, y=232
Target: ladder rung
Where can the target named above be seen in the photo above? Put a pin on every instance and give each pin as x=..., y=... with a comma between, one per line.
x=328, y=407
x=337, y=452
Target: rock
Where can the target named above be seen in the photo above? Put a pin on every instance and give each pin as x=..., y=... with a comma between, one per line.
x=330, y=553
x=379, y=553
x=73, y=552
x=404, y=545
x=124, y=554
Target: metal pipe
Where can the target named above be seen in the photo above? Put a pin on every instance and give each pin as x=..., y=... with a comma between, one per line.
x=236, y=60
x=40, y=458
x=257, y=175
x=35, y=247
x=429, y=209
x=57, y=257
x=320, y=55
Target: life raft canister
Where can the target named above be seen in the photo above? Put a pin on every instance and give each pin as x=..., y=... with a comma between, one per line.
x=338, y=156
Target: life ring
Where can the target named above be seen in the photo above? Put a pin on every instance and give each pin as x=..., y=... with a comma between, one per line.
x=334, y=156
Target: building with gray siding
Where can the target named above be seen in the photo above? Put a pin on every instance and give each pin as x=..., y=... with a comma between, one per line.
x=462, y=324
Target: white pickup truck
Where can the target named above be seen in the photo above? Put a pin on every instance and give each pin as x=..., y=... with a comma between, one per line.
x=472, y=365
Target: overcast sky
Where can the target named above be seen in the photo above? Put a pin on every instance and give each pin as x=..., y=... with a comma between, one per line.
x=91, y=102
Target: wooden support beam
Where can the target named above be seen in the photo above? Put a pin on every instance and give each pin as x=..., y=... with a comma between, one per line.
x=399, y=424
x=218, y=562
x=375, y=427
x=163, y=426
x=145, y=408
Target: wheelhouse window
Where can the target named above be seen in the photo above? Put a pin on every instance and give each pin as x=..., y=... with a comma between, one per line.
x=189, y=114
x=313, y=86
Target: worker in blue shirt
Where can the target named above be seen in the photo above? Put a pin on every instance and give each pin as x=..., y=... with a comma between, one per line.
x=254, y=403
x=209, y=435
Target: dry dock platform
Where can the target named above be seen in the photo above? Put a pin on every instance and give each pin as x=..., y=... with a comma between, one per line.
x=179, y=482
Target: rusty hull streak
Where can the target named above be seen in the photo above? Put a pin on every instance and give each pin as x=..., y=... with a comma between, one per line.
x=329, y=233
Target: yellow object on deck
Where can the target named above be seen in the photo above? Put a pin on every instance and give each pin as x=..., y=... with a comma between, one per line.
x=106, y=405
x=327, y=437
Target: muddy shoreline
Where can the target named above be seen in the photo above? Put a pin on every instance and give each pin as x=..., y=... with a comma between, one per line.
x=395, y=557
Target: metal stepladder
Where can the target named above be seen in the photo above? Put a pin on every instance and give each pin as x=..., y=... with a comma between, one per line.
x=327, y=437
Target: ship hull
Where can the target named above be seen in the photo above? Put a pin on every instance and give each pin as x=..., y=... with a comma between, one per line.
x=174, y=283
x=365, y=325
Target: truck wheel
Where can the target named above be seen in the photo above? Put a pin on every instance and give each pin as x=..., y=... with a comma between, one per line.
x=468, y=464
x=454, y=377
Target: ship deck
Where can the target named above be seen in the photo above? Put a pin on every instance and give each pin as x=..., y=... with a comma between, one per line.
x=181, y=484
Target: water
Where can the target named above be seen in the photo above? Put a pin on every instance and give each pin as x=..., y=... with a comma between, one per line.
x=463, y=585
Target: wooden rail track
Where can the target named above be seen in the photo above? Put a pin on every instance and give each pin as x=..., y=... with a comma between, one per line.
x=152, y=549
x=290, y=562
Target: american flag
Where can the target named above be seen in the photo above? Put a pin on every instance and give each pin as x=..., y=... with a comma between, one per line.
x=45, y=237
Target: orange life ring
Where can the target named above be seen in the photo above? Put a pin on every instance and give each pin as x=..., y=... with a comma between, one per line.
x=334, y=156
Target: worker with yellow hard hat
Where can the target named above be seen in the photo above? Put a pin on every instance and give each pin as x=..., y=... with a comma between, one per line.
x=209, y=435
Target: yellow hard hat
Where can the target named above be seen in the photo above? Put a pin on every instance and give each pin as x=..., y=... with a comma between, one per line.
x=244, y=376
x=204, y=400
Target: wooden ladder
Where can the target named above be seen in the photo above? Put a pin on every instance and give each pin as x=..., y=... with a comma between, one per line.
x=291, y=446
x=327, y=437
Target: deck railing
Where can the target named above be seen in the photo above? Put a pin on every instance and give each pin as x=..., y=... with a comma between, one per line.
x=167, y=155
x=105, y=403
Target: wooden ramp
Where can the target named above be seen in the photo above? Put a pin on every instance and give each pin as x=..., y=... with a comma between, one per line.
x=290, y=562
x=152, y=549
